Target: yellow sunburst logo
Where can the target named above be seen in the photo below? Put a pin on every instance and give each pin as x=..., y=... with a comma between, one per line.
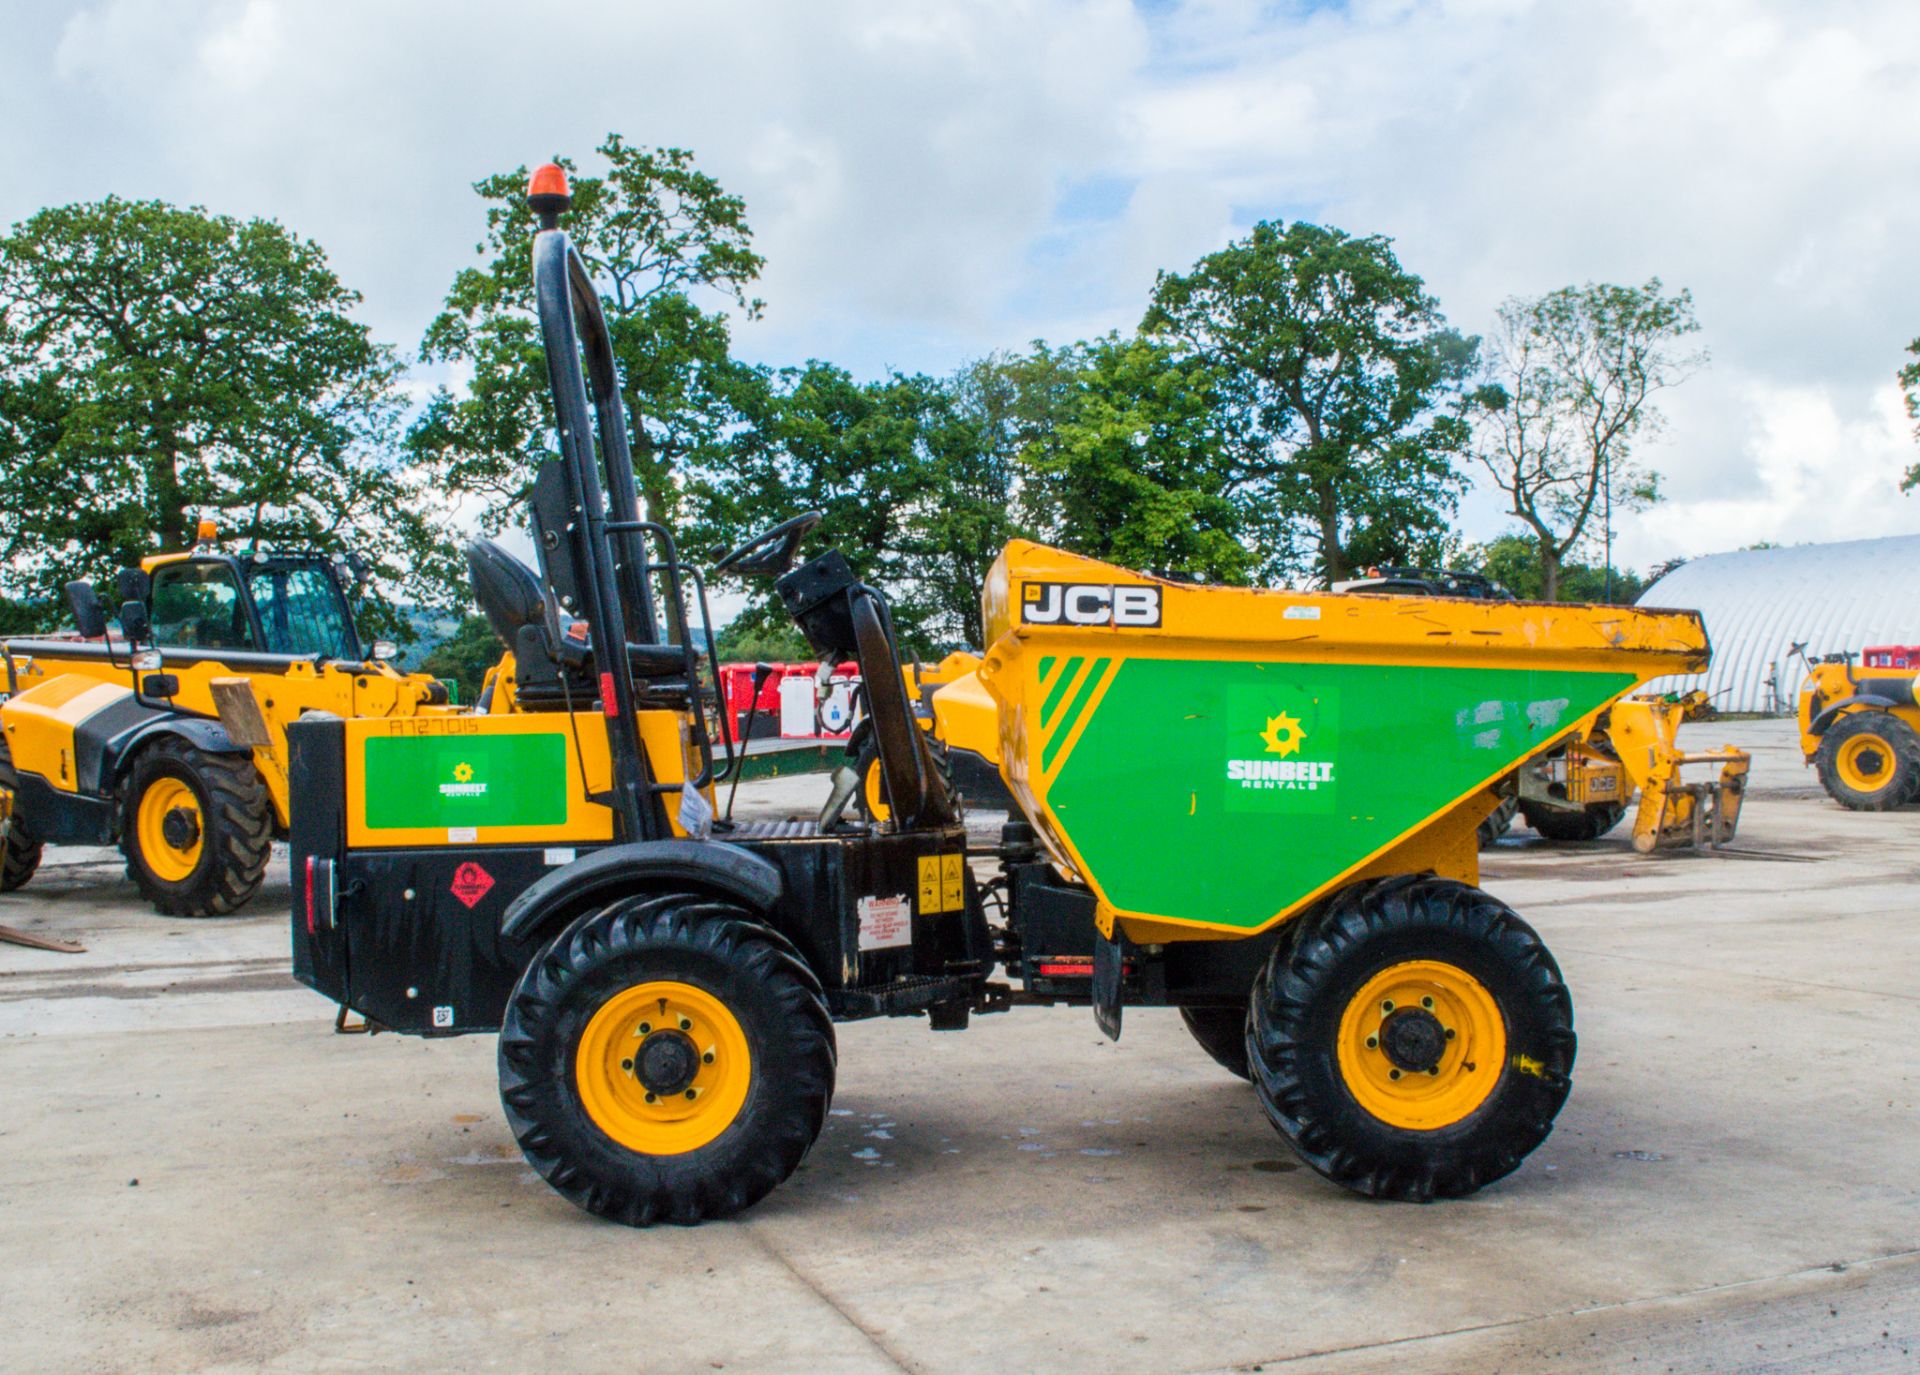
x=463, y=773
x=1283, y=735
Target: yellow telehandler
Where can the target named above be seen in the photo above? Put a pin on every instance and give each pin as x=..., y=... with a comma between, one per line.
x=166, y=735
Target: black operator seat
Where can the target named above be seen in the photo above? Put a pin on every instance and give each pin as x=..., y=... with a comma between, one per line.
x=515, y=604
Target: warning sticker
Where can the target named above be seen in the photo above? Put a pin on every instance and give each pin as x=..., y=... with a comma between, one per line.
x=953, y=889
x=471, y=883
x=885, y=923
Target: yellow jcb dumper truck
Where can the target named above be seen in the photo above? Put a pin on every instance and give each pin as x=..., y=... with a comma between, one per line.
x=1257, y=807
x=166, y=735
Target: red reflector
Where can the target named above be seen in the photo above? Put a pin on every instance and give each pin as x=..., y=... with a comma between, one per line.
x=1067, y=967
x=309, y=873
x=607, y=704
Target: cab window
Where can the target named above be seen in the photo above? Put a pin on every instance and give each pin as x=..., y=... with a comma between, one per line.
x=198, y=606
x=302, y=611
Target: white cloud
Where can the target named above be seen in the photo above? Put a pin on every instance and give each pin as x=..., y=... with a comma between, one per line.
x=931, y=181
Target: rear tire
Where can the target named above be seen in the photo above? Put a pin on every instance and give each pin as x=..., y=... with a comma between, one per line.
x=1222, y=1033
x=20, y=854
x=1413, y=1040
x=1585, y=823
x=592, y=1086
x=1869, y=761
x=197, y=829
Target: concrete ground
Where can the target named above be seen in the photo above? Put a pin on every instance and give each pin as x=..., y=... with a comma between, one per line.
x=196, y=1174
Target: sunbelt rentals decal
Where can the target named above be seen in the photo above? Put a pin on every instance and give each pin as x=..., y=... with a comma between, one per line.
x=463, y=784
x=1284, y=751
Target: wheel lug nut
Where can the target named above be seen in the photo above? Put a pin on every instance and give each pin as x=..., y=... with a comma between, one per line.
x=685, y=1025
x=1449, y=1033
x=645, y=1027
x=1386, y=1007
x=707, y=1058
x=1434, y=1070
x=627, y=1065
x=1393, y=1074
x=1426, y=1002
x=650, y=1098
x=690, y=1093
x=1373, y=1043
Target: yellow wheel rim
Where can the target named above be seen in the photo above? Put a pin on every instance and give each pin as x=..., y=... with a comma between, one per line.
x=876, y=793
x=1865, y=762
x=683, y=1041
x=1422, y=1044
x=169, y=863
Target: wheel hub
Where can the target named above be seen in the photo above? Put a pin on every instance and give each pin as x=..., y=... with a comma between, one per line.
x=180, y=828
x=1413, y=1039
x=667, y=1063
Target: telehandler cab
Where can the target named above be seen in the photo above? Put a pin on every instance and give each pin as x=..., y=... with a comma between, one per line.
x=168, y=737
x=1256, y=807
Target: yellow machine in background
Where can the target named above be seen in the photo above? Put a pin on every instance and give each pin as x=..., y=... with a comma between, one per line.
x=168, y=737
x=1581, y=792
x=1860, y=730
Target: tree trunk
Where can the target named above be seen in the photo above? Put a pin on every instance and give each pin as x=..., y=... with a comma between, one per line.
x=1333, y=558
x=1549, y=572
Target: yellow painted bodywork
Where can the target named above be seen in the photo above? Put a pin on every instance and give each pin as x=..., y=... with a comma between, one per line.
x=1255, y=626
x=1641, y=734
x=663, y=734
x=1829, y=683
x=40, y=721
x=372, y=690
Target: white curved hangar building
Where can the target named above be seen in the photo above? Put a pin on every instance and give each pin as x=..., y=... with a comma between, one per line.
x=1759, y=602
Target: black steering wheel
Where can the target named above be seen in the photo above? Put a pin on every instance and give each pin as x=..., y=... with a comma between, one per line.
x=770, y=553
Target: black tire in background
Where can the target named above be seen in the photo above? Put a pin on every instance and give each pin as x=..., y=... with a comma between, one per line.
x=1584, y=823
x=235, y=822
x=20, y=854
x=1222, y=1033
x=686, y=940
x=1497, y=822
x=1880, y=736
x=1360, y=935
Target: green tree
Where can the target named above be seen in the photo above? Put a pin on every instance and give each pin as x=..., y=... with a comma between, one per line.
x=1134, y=468
x=1910, y=387
x=876, y=458
x=1513, y=561
x=160, y=364
x=1568, y=394
x=466, y=655
x=1338, y=379
x=655, y=233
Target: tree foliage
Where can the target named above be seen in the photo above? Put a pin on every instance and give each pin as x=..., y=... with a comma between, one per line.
x=1132, y=467
x=1910, y=388
x=1568, y=394
x=160, y=364
x=1513, y=561
x=655, y=233
x=466, y=655
x=1338, y=381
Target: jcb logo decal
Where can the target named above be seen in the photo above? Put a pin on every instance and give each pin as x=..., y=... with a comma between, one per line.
x=1074, y=603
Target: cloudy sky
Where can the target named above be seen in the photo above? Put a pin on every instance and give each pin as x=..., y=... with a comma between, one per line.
x=930, y=181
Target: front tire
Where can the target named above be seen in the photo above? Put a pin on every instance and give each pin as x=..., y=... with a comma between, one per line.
x=1869, y=761
x=1413, y=1040
x=197, y=830
x=666, y=1059
x=1222, y=1033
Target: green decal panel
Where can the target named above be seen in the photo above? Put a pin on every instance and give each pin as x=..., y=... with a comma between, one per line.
x=1224, y=792
x=466, y=780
